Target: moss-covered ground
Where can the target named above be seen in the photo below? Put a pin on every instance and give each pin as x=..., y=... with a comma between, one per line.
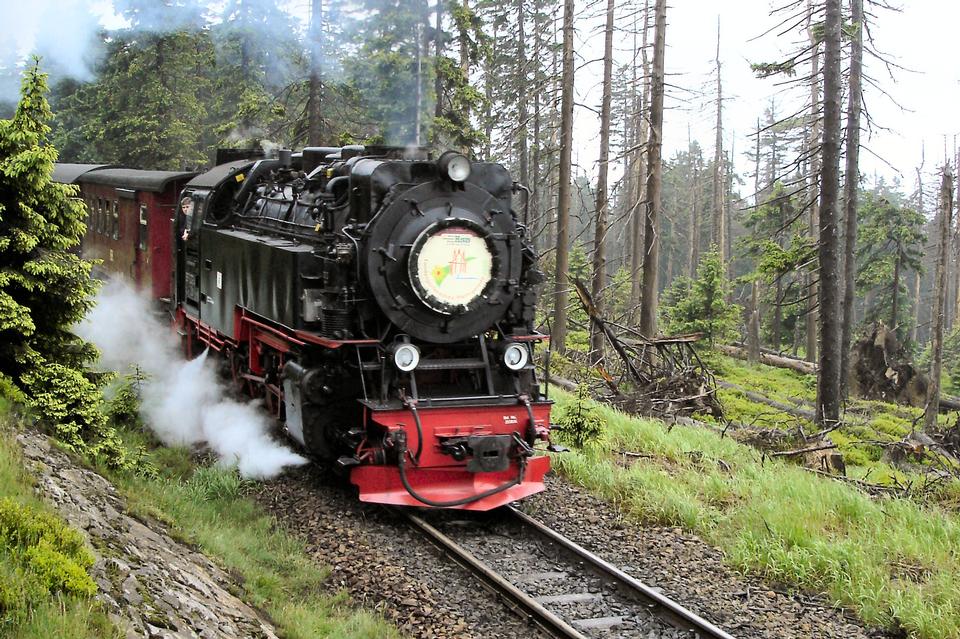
x=864, y=439
x=892, y=559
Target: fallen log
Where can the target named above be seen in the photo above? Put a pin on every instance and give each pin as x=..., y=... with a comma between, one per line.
x=802, y=451
x=800, y=366
x=796, y=411
x=562, y=382
x=771, y=351
x=948, y=403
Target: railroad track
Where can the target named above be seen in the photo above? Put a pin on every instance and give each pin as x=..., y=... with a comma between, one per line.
x=554, y=583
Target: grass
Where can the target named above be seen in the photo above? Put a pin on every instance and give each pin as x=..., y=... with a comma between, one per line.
x=893, y=561
x=29, y=608
x=208, y=507
x=868, y=424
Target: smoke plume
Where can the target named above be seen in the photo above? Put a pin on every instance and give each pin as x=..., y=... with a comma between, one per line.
x=182, y=401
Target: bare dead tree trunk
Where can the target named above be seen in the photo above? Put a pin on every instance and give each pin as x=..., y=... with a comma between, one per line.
x=630, y=110
x=559, y=333
x=522, y=142
x=556, y=75
x=778, y=294
x=815, y=158
x=915, y=329
x=438, y=51
x=753, y=321
x=421, y=40
x=640, y=209
x=489, y=68
x=953, y=316
x=694, y=254
x=535, y=186
x=940, y=301
x=831, y=311
x=895, y=304
x=314, y=91
x=651, y=238
x=464, y=37
x=719, y=235
x=851, y=188
x=916, y=308
x=600, y=224
x=753, y=324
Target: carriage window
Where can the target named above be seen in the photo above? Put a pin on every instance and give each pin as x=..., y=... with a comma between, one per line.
x=143, y=227
x=115, y=221
x=99, y=213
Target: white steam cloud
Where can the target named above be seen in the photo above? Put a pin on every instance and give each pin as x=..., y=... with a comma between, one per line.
x=183, y=402
x=65, y=33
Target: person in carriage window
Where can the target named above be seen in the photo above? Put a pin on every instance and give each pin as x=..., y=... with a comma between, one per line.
x=186, y=217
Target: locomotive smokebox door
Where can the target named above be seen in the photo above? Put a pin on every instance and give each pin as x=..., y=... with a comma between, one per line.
x=491, y=453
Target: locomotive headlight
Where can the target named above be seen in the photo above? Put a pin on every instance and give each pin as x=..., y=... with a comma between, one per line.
x=455, y=166
x=406, y=357
x=515, y=356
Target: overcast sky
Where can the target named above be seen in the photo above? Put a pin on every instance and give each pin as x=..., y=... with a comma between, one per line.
x=920, y=38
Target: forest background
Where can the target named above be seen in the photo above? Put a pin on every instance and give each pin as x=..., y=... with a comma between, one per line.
x=163, y=84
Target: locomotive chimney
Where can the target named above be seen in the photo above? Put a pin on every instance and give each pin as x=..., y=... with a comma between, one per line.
x=285, y=157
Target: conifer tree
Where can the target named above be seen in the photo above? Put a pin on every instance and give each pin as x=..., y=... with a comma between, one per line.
x=45, y=287
x=889, y=245
x=700, y=305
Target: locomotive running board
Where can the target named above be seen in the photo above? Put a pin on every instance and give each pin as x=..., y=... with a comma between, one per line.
x=382, y=484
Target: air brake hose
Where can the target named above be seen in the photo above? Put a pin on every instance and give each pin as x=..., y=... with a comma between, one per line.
x=412, y=405
x=402, y=465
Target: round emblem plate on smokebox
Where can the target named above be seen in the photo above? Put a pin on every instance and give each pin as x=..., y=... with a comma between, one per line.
x=451, y=267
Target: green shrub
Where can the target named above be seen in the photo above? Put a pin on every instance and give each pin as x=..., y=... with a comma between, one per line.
x=41, y=556
x=9, y=393
x=123, y=408
x=67, y=401
x=578, y=423
x=58, y=572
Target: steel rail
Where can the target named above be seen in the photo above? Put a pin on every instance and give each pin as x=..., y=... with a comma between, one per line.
x=520, y=602
x=676, y=614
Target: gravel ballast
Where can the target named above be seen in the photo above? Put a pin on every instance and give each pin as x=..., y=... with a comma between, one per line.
x=385, y=565
x=690, y=571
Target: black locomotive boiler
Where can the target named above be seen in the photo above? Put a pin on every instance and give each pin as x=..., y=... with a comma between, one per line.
x=383, y=303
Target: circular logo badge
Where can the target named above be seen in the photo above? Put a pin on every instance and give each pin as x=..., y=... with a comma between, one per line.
x=453, y=266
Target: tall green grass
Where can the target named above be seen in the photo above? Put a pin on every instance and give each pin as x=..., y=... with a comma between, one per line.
x=893, y=561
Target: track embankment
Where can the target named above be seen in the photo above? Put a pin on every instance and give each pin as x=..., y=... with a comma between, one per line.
x=151, y=584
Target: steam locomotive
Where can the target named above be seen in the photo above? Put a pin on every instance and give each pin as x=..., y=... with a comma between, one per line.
x=380, y=301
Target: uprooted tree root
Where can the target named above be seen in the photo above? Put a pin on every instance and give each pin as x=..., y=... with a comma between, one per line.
x=879, y=370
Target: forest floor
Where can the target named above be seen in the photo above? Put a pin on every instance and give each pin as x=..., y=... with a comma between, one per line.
x=880, y=539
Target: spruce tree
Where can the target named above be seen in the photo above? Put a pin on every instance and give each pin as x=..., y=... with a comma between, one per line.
x=45, y=287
